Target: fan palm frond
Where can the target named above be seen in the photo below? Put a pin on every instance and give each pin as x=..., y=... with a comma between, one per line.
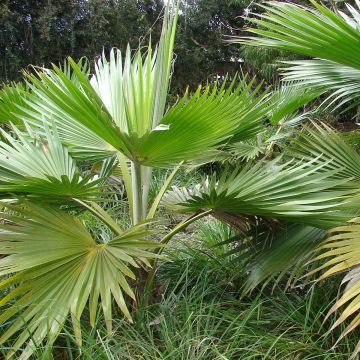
x=84, y=123
x=217, y=114
x=332, y=38
x=291, y=247
x=12, y=99
x=343, y=81
x=247, y=151
x=43, y=168
x=121, y=108
x=329, y=147
x=290, y=98
x=54, y=268
x=342, y=253
x=279, y=190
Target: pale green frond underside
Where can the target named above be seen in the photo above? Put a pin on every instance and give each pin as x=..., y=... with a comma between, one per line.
x=343, y=81
x=135, y=90
x=55, y=268
x=42, y=167
x=302, y=191
x=246, y=151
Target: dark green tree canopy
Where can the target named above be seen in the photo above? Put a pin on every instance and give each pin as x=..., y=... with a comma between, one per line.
x=42, y=31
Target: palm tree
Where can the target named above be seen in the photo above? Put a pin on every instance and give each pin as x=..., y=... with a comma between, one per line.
x=63, y=119
x=332, y=40
x=117, y=116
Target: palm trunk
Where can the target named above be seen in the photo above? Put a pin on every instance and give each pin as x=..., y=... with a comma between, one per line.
x=146, y=173
x=137, y=193
x=140, y=187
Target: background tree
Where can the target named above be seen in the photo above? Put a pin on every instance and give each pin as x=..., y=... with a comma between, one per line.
x=43, y=31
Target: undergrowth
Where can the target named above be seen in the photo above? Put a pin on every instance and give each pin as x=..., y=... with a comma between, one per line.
x=198, y=314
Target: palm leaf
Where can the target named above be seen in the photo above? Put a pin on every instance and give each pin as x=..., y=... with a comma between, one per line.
x=292, y=190
x=342, y=81
x=121, y=108
x=219, y=115
x=55, y=268
x=316, y=32
x=42, y=167
x=246, y=151
x=329, y=147
x=291, y=247
x=76, y=109
x=333, y=38
x=342, y=253
x=135, y=91
x=12, y=99
x=289, y=98
x=94, y=118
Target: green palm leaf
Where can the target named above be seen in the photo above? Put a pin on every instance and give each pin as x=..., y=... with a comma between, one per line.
x=292, y=190
x=12, y=99
x=289, y=98
x=42, y=167
x=246, y=151
x=55, y=268
x=333, y=38
x=135, y=91
x=329, y=148
x=342, y=81
x=121, y=108
x=316, y=32
x=84, y=124
x=269, y=251
x=74, y=106
x=219, y=115
x=291, y=247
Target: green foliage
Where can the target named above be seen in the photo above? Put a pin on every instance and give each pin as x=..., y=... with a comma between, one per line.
x=329, y=147
x=84, y=131
x=56, y=268
x=117, y=115
x=42, y=168
x=316, y=32
x=201, y=317
x=332, y=38
x=274, y=189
